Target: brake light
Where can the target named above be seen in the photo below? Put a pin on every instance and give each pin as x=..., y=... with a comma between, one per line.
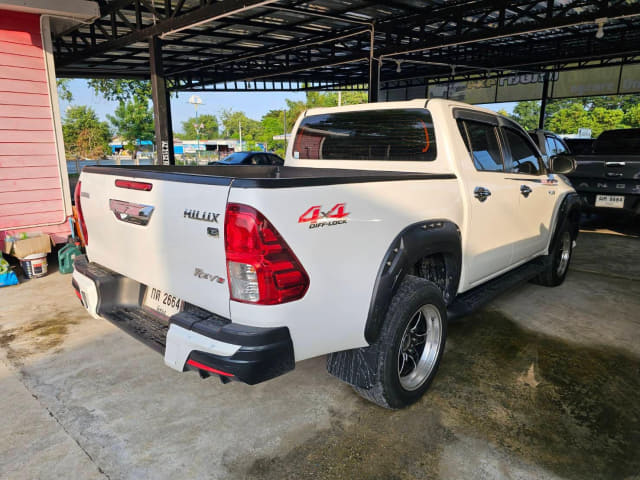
x=261, y=267
x=83, y=226
x=133, y=185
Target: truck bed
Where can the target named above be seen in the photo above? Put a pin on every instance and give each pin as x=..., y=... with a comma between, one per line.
x=267, y=176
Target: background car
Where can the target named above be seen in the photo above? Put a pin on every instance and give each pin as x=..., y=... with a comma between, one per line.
x=549, y=144
x=580, y=146
x=250, y=158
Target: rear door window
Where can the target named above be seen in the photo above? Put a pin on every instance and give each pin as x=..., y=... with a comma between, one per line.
x=482, y=142
x=393, y=135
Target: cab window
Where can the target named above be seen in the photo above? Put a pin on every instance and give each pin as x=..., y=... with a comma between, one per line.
x=524, y=158
x=482, y=142
x=388, y=134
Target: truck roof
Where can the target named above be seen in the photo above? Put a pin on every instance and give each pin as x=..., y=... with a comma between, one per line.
x=415, y=103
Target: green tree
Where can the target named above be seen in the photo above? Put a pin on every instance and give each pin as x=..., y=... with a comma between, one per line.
x=270, y=126
x=632, y=116
x=569, y=120
x=527, y=114
x=604, y=119
x=64, y=93
x=121, y=90
x=208, y=131
x=133, y=121
x=85, y=136
x=231, y=121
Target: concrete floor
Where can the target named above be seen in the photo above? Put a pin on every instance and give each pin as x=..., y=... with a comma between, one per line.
x=543, y=383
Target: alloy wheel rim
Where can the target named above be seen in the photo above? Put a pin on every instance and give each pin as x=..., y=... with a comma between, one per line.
x=419, y=347
x=565, y=253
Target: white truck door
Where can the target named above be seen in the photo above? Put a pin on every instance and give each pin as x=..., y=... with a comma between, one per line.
x=536, y=196
x=492, y=205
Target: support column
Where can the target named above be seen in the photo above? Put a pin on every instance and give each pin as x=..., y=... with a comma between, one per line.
x=161, y=105
x=374, y=79
x=543, y=100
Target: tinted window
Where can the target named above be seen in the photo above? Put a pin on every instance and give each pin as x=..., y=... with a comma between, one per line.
x=523, y=157
x=551, y=146
x=560, y=147
x=397, y=135
x=275, y=160
x=485, y=150
x=618, y=142
x=235, y=158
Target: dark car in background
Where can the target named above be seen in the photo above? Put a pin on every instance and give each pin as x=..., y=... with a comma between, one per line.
x=608, y=177
x=549, y=144
x=580, y=146
x=250, y=158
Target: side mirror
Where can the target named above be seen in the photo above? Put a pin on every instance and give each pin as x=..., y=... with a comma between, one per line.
x=562, y=164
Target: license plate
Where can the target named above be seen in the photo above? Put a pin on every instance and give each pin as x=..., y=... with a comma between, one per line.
x=162, y=302
x=610, y=201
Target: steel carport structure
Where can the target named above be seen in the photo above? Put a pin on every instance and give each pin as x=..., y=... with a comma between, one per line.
x=258, y=45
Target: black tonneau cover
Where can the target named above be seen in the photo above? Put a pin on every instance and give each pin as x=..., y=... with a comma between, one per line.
x=267, y=176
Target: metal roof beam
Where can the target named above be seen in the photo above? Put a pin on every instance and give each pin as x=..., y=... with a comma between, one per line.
x=201, y=15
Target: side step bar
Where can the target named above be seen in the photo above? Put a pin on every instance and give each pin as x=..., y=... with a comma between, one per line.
x=472, y=300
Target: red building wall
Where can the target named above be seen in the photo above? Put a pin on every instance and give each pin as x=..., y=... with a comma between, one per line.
x=31, y=193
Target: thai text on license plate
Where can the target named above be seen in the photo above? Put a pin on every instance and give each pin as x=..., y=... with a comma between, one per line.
x=162, y=302
x=610, y=201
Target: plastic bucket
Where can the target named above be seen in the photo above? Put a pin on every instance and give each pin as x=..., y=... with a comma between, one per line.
x=34, y=265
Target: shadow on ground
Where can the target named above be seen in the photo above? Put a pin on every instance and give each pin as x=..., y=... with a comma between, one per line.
x=571, y=410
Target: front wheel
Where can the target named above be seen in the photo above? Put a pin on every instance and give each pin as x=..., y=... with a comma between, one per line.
x=410, y=345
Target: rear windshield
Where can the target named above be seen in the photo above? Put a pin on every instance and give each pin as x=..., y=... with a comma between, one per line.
x=398, y=135
x=618, y=142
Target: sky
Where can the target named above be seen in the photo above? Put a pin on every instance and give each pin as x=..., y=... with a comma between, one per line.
x=253, y=104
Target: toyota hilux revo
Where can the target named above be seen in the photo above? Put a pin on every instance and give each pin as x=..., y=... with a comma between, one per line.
x=386, y=221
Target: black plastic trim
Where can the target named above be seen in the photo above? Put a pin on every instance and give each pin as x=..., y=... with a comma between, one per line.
x=474, y=116
x=263, y=176
x=265, y=353
x=413, y=243
x=569, y=211
x=254, y=364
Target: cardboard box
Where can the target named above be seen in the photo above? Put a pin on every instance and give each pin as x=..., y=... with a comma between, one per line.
x=23, y=247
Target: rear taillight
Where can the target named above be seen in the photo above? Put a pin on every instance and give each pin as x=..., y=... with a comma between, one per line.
x=83, y=226
x=261, y=267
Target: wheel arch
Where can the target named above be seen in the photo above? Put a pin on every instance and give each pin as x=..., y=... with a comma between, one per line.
x=568, y=212
x=414, y=243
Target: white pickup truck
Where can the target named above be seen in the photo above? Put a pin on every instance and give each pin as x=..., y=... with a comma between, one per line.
x=386, y=221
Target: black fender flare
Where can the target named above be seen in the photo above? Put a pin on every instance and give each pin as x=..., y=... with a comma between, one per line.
x=568, y=213
x=417, y=241
x=358, y=366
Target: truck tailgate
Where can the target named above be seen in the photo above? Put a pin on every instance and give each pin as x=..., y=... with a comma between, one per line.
x=170, y=237
x=608, y=167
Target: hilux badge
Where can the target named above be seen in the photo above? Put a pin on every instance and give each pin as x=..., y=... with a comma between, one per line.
x=201, y=215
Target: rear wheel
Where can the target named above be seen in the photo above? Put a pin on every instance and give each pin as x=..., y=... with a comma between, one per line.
x=558, y=259
x=410, y=345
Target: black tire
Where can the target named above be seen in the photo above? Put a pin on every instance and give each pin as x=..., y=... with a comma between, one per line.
x=556, y=268
x=414, y=295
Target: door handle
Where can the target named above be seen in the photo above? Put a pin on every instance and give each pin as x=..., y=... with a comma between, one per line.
x=525, y=190
x=481, y=193
x=135, y=213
